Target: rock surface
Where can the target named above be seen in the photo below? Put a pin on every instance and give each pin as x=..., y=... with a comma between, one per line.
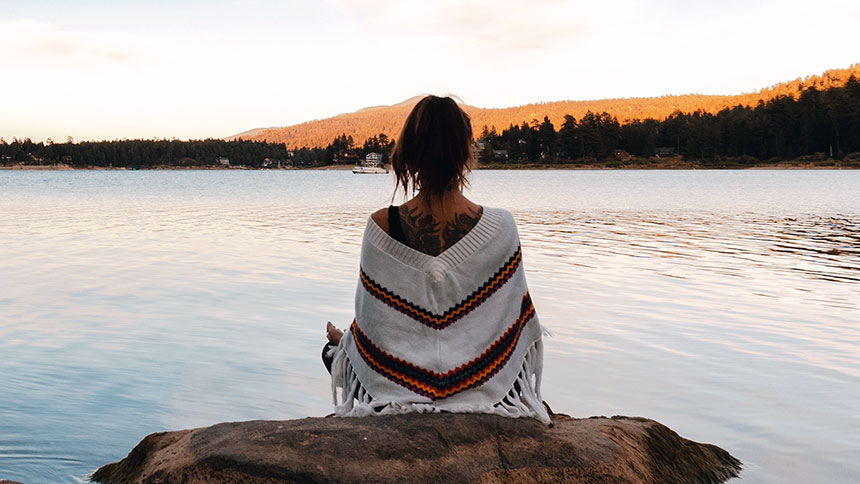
x=434, y=448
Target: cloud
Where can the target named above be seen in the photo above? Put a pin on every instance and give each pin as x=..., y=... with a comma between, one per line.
x=194, y=69
x=475, y=26
x=39, y=43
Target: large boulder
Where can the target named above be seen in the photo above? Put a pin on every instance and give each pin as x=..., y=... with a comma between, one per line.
x=418, y=448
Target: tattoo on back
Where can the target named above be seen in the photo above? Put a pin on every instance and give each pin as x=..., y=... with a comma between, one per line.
x=426, y=234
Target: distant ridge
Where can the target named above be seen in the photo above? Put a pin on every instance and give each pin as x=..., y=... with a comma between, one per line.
x=371, y=121
x=409, y=102
x=247, y=134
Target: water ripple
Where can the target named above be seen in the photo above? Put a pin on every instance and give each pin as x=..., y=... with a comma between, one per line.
x=715, y=302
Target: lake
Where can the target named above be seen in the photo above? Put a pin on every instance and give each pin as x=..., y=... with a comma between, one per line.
x=724, y=304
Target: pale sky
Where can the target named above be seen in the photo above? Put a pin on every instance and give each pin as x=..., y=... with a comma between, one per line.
x=105, y=69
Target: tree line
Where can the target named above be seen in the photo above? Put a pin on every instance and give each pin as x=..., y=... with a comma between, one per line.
x=162, y=153
x=813, y=125
x=389, y=119
x=142, y=153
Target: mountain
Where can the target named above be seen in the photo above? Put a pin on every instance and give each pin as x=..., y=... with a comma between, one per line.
x=247, y=134
x=371, y=121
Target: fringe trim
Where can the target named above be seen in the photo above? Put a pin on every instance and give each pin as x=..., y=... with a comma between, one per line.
x=354, y=401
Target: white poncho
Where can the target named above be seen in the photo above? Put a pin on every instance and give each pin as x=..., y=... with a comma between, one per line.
x=456, y=332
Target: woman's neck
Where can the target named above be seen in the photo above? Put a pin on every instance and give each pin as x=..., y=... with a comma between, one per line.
x=447, y=198
x=431, y=224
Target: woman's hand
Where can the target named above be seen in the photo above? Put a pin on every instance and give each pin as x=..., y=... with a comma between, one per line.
x=333, y=333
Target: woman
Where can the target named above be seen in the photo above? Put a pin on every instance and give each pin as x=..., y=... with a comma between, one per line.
x=443, y=317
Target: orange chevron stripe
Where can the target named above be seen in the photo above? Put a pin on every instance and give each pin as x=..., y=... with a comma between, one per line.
x=437, y=391
x=455, y=312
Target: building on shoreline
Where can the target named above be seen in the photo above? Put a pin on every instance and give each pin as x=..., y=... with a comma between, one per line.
x=373, y=158
x=346, y=157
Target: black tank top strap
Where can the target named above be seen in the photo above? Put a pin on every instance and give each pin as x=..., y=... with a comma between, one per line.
x=395, y=230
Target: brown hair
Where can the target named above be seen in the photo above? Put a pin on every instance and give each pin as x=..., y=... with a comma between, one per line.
x=434, y=150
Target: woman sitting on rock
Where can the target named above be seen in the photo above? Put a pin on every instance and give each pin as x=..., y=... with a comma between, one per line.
x=443, y=318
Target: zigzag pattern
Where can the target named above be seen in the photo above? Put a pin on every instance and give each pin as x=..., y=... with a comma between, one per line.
x=441, y=385
x=449, y=317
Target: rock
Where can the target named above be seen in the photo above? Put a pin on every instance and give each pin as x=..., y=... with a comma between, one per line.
x=417, y=448
x=9, y=482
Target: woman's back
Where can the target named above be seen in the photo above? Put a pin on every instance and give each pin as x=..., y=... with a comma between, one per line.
x=443, y=317
x=455, y=332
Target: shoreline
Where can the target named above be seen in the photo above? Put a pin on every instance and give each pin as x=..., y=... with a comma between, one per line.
x=494, y=166
x=667, y=166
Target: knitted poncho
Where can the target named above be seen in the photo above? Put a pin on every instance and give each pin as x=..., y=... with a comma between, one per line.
x=456, y=332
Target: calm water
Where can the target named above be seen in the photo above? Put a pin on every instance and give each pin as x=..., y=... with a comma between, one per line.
x=724, y=304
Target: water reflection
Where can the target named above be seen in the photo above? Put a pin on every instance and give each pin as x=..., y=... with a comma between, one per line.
x=825, y=248
x=137, y=302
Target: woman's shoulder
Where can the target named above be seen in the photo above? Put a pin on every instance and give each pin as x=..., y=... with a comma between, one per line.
x=380, y=217
x=502, y=217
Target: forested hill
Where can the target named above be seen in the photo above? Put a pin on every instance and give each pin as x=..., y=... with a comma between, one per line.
x=370, y=122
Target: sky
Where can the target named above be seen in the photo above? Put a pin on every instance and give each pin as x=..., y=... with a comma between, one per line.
x=108, y=69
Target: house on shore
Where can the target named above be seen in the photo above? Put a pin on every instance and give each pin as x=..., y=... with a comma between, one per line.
x=622, y=155
x=373, y=158
x=665, y=152
x=346, y=157
x=276, y=163
x=478, y=148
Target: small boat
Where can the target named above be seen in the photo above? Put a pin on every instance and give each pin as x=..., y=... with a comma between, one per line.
x=361, y=169
x=371, y=165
